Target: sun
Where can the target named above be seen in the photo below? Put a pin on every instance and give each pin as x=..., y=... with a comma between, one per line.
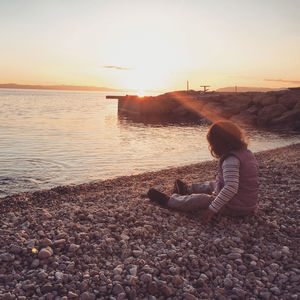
x=152, y=57
x=141, y=93
x=145, y=78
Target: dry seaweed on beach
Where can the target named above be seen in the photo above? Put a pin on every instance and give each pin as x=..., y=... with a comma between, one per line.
x=103, y=240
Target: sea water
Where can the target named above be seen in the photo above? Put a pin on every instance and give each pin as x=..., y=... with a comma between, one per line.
x=51, y=138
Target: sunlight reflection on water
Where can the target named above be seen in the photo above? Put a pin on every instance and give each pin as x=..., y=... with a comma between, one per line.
x=51, y=138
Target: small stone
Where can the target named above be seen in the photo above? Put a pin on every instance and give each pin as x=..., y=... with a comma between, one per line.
x=153, y=288
x=203, y=277
x=7, y=257
x=220, y=297
x=124, y=237
x=174, y=270
x=295, y=278
x=87, y=296
x=47, y=287
x=118, y=289
x=234, y=255
x=177, y=280
x=121, y=296
x=285, y=250
x=28, y=286
x=228, y=283
x=102, y=289
x=236, y=239
x=239, y=292
x=46, y=242
x=30, y=244
x=84, y=285
x=275, y=290
x=35, y=263
x=188, y=296
x=253, y=263
x=49, y=296
x=133, y=270
x=146, y=278
x=118, y=270
x=8, y=296
x=61, y=235
x=71, y=267
x=253, y=257
x=15, y=249
x=45, y=253
x=276, y=254
x=72, y=295
x=171, y=253
x=237, y=250
x=42, y=275
x=188, y=288
x=137, y=253
x=167, y=290
x=59, y=243
x=274, y=267
x=59, y=275
x=265, y=295
x=217, y=241
x=73, y=247
x=132, y=280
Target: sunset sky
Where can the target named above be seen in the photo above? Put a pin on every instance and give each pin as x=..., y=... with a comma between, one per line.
x=157, y=44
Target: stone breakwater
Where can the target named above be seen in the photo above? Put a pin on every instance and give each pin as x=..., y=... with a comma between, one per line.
x=278, y=109
x=104, y=241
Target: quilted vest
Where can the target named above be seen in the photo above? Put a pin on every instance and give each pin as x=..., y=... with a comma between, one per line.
x=246, y=199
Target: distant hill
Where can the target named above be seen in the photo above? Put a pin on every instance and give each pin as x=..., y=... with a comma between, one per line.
x=59, y=87
x=106, y=89
x=247, y=89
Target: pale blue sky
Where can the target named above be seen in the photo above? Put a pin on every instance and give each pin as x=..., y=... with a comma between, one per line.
x=163, y=43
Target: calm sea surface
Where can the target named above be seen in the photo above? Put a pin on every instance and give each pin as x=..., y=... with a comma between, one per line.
x=50, y=138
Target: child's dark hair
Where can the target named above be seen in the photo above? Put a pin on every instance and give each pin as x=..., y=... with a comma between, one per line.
x=224, y=136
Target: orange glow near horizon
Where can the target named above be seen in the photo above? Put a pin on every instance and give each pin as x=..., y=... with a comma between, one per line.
x=144, y=79
x=151, y=45
x=152, y=55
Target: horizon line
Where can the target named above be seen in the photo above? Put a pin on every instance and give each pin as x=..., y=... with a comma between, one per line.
x=108, y=89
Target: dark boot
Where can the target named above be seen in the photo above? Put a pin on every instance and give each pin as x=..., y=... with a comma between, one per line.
x=180, y=187
x=158, y=197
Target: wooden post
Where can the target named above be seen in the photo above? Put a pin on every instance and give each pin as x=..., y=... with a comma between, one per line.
x=205, y=88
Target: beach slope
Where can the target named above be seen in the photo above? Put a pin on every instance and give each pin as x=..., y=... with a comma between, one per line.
x=103, y=240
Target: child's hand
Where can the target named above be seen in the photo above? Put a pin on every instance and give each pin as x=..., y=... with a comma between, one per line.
x=207, y=215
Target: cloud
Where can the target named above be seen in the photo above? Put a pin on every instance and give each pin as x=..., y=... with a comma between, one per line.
x=286, y=81
x=118, y=68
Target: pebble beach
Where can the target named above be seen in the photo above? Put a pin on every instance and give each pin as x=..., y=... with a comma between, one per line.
x=103, y=240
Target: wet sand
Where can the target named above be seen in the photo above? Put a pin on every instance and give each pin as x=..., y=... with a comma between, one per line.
x=103, y=240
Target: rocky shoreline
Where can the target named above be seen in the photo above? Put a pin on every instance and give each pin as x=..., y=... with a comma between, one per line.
x=104, y=241
x=274, y=110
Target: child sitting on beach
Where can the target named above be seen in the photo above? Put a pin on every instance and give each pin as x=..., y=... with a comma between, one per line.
x=235, y=190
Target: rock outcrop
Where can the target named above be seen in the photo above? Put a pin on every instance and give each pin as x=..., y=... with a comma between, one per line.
x=274, y=110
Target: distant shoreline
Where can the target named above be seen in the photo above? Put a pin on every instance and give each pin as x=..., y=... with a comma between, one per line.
x=60, y=87
x=65, y=87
